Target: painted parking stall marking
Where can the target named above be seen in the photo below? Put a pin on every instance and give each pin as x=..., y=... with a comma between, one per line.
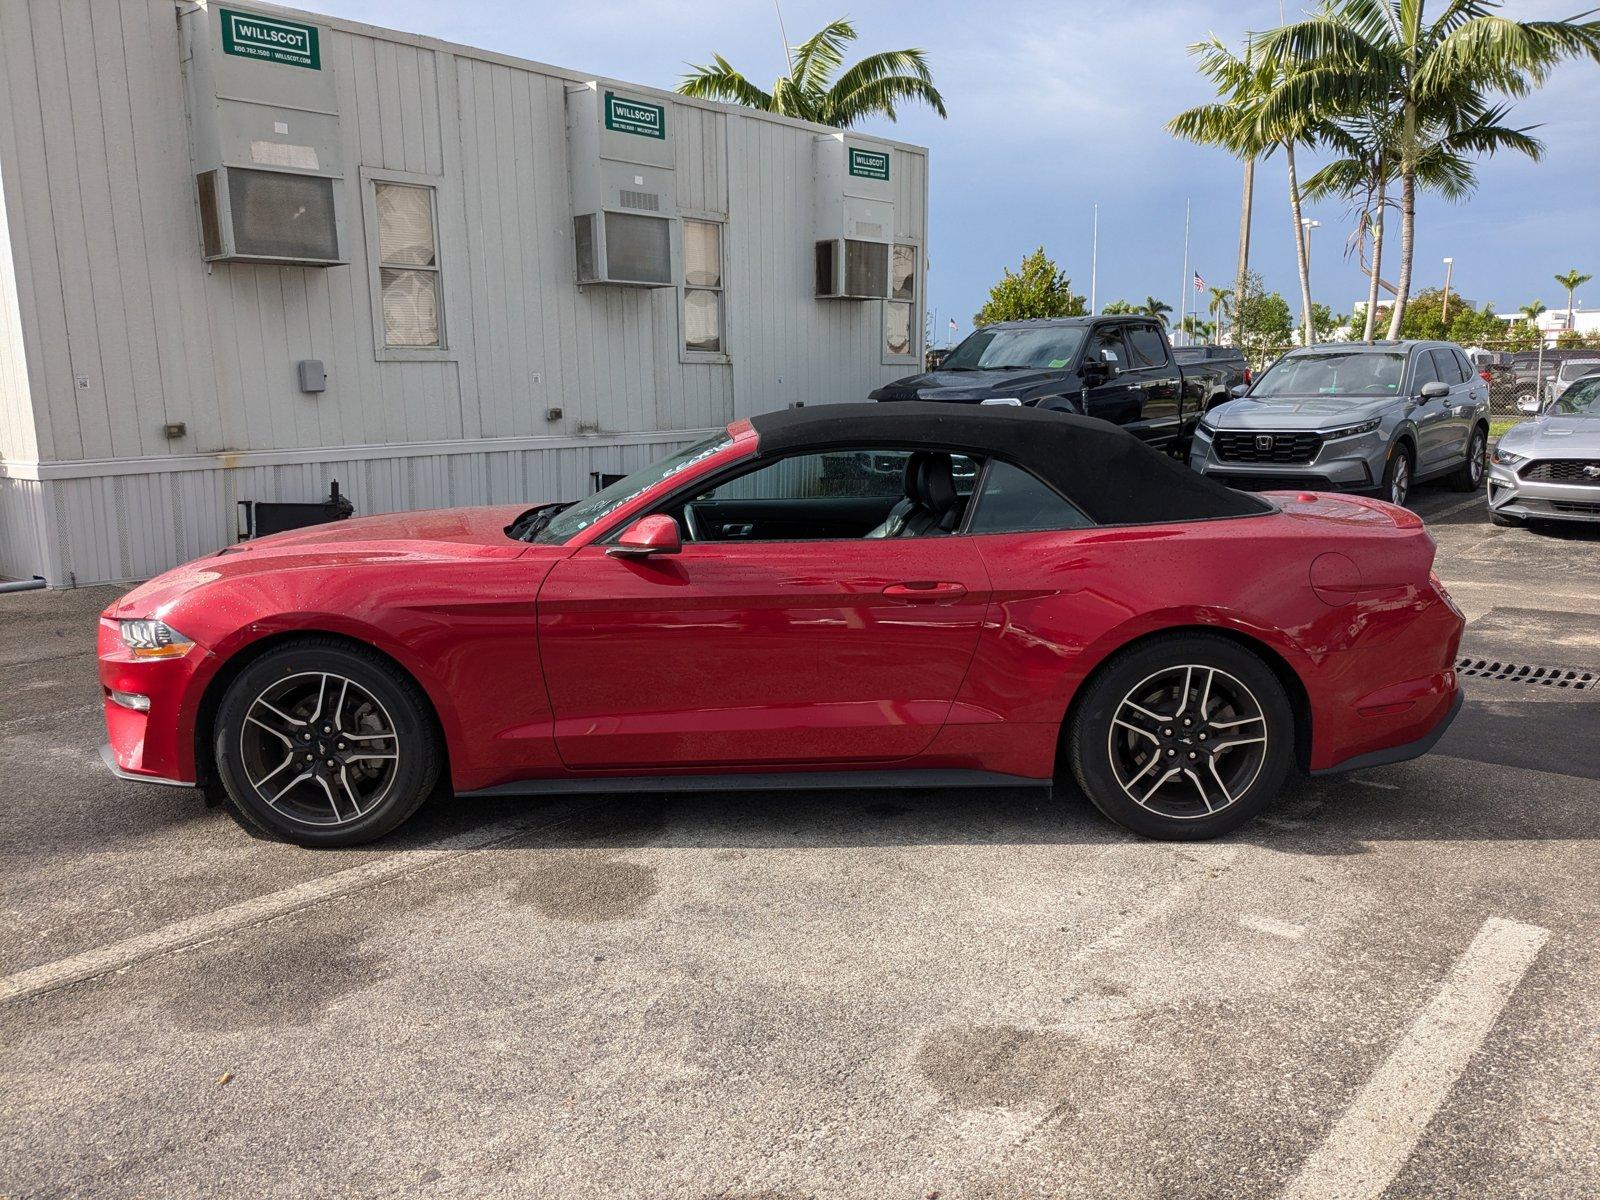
x=1372, y=1140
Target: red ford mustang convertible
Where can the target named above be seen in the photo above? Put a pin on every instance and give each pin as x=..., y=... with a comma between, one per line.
x=847, y=595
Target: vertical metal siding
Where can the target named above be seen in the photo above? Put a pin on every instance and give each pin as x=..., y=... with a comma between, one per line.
x=105, y=282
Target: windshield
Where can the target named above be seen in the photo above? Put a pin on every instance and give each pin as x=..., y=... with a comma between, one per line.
x=997, y=349
x=547, y=526
x=1333, y=373
x=1582, y=399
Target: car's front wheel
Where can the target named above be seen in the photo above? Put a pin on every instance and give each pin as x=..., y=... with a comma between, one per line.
x=1182, y=737
x=324, y=743
x=1397, y=476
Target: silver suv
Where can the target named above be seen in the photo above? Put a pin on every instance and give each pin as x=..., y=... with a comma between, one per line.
x=1352, y=417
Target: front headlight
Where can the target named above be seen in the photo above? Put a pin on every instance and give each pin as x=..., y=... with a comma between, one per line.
x=1504, y=458
x=1352, y=430
x=1207, y=423
x=154, y=639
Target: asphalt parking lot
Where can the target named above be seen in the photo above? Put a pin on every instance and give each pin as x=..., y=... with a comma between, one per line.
x=1392, y=981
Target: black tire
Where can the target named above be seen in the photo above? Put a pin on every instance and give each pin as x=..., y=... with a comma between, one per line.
x=1399, y=471
x=1469, y=475
x=391, y=766
x=1103, y=757
x=1504, y=521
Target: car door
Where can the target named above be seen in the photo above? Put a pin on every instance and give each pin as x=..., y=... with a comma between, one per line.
x=1114, y=395
x=1455, y=370
x=1431, y=417
x=749, y=650
x=1160, y=385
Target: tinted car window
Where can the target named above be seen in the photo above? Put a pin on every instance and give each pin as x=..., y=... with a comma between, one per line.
x=1468, y=370
x=1423, y=371
x=1107, y=346
x=858, y=474
x=1013, y=501
x=1146, y=346
x=1445, y=365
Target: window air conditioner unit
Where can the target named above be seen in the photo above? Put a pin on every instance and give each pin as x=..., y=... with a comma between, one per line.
x=854, y=218
x=624, y=187
x=264, y=137
x=849, y=269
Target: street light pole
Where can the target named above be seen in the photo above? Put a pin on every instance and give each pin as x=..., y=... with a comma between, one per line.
x=1308, y=224
x=1444, y=310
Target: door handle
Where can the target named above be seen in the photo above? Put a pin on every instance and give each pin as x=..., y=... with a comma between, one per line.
x=738, y=530
x=925, y=592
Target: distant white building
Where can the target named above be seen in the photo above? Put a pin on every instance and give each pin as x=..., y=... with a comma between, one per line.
x=246, y=251
x=1552, y=322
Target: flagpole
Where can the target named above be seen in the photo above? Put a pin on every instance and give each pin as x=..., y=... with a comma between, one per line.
x=1183, y=296
x=1094, y=264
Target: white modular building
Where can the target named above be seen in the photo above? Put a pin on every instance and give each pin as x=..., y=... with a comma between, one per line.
x=246, y=251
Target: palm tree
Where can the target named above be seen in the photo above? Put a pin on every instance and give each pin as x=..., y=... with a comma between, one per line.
x=1221, y=305
x=1154, y=308
x=1229, y=122
x=1247, y=123
x=1197, y=329
x=810, y=91
x=1532, y=311
x=1572, y=281
x=1118, y=308
x=1427, y=76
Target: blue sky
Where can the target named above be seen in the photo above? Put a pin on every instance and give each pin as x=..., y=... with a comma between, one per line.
x=1055, y=107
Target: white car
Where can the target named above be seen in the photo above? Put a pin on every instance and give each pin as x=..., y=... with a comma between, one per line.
x=1569, y=372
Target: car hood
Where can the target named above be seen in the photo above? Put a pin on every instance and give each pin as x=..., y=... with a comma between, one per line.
x=1567, y=437
x=973, y=386
x=426, y=536
x=1297, y=412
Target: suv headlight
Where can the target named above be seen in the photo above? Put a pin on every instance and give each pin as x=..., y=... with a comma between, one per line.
x=1505, y=458
x=154, y=639
x=1352, y=430
x=1207, y=423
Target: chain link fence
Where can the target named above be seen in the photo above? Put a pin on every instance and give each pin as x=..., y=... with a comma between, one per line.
x=1520, y=378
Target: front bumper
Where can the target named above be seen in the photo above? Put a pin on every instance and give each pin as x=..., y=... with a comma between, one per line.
x=1512, y=496
x=1352, y=464
x=155, y=745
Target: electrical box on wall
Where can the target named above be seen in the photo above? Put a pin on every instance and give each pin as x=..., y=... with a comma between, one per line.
x=854, y=212
x=624, y=189
x=264, y=137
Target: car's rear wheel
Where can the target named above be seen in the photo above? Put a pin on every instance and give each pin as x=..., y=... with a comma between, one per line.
x=1469, y=474
x=323, y=743
x=1183, y=737
x=1397, y=475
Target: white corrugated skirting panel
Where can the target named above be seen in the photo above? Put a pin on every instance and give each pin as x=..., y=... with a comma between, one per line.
x=111, y=528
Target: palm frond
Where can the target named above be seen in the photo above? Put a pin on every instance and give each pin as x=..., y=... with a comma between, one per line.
x=878, y=98
x=720, y=81
x=820, y=55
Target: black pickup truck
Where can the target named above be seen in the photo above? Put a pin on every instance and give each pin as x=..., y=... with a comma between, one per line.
x=1120, y=369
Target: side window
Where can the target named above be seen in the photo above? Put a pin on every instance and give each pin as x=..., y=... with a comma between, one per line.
x=836, y=474
x=408, y=267
x=1107, y=347
x=1444, y=362
x=1469, y=369
x=702, y=287
x=1013, y=501
x=1146, y=347
x=1422, y=371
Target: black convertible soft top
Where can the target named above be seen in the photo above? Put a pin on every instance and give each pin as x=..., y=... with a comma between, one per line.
x=1107, y=472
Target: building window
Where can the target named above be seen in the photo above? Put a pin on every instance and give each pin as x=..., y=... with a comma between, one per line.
x=702, y=287
x=899, y=311
x=408, y=267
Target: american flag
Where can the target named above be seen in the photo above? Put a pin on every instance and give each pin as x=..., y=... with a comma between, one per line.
x=1199, y=284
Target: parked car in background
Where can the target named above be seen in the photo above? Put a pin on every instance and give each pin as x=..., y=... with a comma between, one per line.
x=1569, y=372
x=1549, y=469
x=1353, y=417
x=1230, y=359
x=1534, y=371
x=1120, y=369
x=720, y=621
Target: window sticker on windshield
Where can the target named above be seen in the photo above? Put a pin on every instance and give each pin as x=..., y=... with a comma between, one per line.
x=1058, y=362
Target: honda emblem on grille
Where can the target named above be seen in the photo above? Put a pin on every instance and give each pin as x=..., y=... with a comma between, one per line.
x=1263, y=443
x=1593, y=472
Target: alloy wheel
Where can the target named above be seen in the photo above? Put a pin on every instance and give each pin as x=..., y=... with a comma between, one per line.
x=319, y=749
x=1187, y=741
x=1475, y=458
x=1400, y=487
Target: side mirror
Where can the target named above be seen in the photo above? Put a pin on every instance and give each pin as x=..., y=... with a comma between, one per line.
x=1239, y=389
x=1101, y=369
x=655, y=534
x=1434, y=390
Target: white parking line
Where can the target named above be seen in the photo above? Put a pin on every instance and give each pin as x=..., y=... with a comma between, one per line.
x=1277, y=928
x=1372, y=1140
x=1458, y=506
x=205, y=926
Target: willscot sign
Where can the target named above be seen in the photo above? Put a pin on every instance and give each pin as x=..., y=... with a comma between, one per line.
x=270, y=39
